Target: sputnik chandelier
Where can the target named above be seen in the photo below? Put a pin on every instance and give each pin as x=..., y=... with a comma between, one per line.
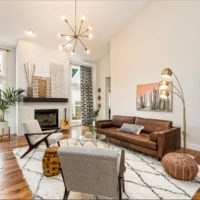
x=77, y=34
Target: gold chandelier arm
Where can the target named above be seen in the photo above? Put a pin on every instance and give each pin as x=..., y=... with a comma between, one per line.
x=75, y=45
x=66, y=21
x=67, y=42
x=82, y=44
x=84, y=36
x=63, y=35
x=80, y=28
x=84, y=32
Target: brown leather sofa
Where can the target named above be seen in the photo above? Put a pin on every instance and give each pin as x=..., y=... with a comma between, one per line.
x=157, y=138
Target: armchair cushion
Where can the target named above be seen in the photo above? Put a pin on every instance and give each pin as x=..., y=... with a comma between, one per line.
x=118, y=120
x=99, y=176
x=54, y=138
x=153, y=125
x=33, y=126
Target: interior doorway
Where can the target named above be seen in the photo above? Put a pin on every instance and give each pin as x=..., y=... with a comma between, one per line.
x=75, y=96
x=108, y=97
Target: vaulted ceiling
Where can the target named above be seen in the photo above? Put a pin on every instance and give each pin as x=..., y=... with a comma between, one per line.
x=106, y=17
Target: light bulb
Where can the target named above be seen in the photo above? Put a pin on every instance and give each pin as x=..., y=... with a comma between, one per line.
x=60, y=47
x=59, y=35
x=64, y=18
x=72, y=53
x=68, y=45
x=90, y=36
x=163, y=84
x=87, y=51
x=83, y=18
x=68, y=38
x=89, y=28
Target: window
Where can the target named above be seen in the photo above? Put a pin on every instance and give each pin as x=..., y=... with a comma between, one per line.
x=1, y=62
x=76, y=93
x=2, y=69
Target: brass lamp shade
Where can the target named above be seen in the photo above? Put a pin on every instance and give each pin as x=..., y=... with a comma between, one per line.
x=163, y=84
x=164, y=94
x=166, y=73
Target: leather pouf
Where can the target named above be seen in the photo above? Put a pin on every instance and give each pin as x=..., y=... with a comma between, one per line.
x=180, y=166
x=50, y=162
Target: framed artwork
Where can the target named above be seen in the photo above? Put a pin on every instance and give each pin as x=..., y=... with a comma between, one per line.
x=57, y=81
x=38, y=86
x=148, y=98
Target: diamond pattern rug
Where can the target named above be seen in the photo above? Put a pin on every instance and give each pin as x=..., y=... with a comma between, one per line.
x=145, y=177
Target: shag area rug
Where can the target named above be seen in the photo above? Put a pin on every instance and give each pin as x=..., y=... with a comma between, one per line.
x=145, y=177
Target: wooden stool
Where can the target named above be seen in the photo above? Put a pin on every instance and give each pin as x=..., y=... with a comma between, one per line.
x=50, y=162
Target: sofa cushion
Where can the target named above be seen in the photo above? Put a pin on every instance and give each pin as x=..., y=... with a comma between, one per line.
x=153, y=125
x=131, y=128
x=118, y=120
x=141, y=140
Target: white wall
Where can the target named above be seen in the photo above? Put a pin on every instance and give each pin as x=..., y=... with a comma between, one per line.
x=164, y=34
x=11, y=82
x=102, y=72
x=28, y=52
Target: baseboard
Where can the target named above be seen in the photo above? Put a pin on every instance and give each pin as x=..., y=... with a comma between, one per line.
x=195, y=147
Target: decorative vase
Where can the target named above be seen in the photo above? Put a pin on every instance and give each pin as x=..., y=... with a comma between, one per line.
x=94, y=123
x=95, y=134
x=30, y=92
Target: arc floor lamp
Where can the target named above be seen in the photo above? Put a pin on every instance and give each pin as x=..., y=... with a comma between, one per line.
x=166, y=73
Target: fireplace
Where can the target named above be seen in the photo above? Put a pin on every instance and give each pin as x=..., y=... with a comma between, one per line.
x=47, y=118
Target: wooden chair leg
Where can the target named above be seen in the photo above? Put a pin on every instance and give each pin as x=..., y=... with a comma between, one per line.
x=47, y=144
x=58, y=144
x=120, y=188
x=66, y=195
x=28, y=151
x=123, y=184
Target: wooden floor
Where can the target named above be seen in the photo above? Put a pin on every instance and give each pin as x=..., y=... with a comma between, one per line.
x=12, y=184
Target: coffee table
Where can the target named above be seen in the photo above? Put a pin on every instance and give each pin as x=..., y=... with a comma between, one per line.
x=89, y=137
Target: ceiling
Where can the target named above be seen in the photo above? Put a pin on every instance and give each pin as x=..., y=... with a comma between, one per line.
x=106, y=17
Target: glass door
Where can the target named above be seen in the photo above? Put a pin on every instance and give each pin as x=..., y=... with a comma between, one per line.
x=75, y=96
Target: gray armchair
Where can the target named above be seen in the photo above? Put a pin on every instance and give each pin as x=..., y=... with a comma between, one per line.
x=35, y=136
x=92, y=171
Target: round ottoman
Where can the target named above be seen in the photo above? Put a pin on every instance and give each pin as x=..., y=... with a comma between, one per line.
x=50, y=162
x=180, y=166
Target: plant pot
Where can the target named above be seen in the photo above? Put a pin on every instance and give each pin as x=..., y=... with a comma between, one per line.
x=4, y=125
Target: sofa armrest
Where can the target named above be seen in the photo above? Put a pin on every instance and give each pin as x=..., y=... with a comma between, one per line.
x=103, y=123
x=168, y=140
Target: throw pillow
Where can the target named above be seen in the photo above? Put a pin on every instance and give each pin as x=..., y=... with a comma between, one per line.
x=131, y=128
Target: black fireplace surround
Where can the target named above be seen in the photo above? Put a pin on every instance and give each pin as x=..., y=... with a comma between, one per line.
x=47, y=118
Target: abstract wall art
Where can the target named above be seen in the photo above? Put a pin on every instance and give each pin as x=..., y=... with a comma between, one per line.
x=148, y=98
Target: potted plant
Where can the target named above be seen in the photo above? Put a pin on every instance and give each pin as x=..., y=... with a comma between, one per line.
x=95, y=114
x=8, y=98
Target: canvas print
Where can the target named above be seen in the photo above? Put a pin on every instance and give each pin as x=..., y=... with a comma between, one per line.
x=148, y=98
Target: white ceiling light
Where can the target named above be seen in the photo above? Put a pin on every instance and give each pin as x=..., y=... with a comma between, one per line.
x=29, y=32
